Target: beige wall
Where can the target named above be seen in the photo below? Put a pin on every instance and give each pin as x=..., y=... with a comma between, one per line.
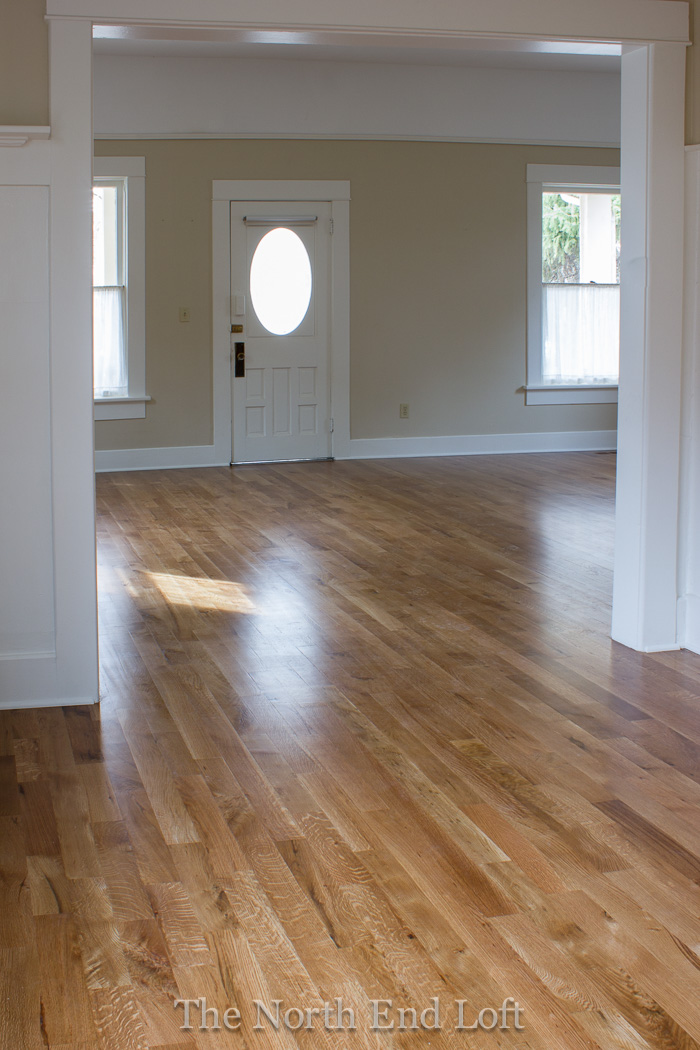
x=24, y=76
x=438, y=295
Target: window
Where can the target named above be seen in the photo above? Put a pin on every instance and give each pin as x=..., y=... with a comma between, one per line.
x=280, y=281
x=573, y=284
x=119, y=338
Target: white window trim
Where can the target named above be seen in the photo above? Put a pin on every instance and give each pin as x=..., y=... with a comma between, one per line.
x=133, y=170
x=555, y=177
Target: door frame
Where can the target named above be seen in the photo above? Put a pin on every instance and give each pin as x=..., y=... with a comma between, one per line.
x=650, y=396
x=337, y=194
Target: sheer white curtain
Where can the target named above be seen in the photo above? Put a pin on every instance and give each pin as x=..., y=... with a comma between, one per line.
x=110, y=376
x=581, y=328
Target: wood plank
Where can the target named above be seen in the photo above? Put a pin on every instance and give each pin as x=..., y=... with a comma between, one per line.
x=15, y=899
x=410, y=764
x=66, y=1016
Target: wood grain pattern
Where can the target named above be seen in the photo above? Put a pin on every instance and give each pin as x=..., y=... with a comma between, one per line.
x=363, y=734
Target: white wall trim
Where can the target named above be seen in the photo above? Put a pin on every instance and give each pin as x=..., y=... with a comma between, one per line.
x=596, y=20
x=481, y=444
x=571, y=395
x=168, y=458
x=21, y=704
x=115, y=136
x=221, y=324
x=689, y=622
x=14, y=135
x=280, y=190
x=671, y=646
x=29, y=679
x=120, y=407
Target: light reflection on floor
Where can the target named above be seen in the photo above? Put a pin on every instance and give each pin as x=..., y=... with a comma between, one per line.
x=219, y=595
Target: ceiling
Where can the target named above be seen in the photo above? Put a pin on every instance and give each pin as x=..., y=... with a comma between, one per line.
x=320, y=47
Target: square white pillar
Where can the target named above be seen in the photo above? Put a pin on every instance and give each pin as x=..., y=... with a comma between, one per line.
x=48, y=631
x=689, y=533
x=72, y=428
x=646, y=546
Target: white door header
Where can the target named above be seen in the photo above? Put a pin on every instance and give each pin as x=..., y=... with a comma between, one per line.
x=641, y=21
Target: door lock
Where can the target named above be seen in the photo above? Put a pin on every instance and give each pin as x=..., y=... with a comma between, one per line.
x=239, y=360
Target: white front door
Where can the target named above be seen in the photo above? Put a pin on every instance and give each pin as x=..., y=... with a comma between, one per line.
x=280, y=330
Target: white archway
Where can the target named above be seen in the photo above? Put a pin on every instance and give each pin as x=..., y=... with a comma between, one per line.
x=654, y=32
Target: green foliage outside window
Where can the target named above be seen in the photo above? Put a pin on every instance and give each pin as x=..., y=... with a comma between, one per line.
x=561, y=238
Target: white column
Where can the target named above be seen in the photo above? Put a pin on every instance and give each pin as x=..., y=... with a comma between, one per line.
x=48, y=622
x=72, y=441
x=646, y=549
x=689, y=533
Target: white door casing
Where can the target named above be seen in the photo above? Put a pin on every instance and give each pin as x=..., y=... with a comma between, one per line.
x=227, y=193
x=281, y=382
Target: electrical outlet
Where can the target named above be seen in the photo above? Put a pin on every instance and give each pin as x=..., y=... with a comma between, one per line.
x=184, y=313
x=403, y=410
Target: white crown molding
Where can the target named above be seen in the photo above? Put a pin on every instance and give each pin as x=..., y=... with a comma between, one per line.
x=147, y=136
x=21, y=134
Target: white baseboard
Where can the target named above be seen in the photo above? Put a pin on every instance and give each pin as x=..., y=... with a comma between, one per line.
x=21, y=703
x=168, y=458
x=689, y=622
x=373, y=448
x=482, y=444
x=33, y=679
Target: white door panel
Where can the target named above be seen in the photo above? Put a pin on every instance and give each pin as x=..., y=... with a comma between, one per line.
x=281, y=386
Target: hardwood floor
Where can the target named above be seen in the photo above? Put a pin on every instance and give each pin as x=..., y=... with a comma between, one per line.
x=363, y=736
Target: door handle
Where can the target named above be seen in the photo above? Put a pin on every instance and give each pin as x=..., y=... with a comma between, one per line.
x=239, y=360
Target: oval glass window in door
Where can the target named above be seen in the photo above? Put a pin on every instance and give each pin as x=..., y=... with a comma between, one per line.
x=280, y=281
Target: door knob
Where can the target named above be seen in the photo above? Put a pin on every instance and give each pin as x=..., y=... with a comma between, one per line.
x=239, y=360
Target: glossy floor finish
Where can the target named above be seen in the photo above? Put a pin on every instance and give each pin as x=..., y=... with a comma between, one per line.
x=363, y=737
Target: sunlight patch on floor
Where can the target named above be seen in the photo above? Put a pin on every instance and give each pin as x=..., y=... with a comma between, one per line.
x=215, y=595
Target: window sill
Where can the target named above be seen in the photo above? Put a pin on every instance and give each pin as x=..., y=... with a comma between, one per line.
x=120, y=407
x=571, y=395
